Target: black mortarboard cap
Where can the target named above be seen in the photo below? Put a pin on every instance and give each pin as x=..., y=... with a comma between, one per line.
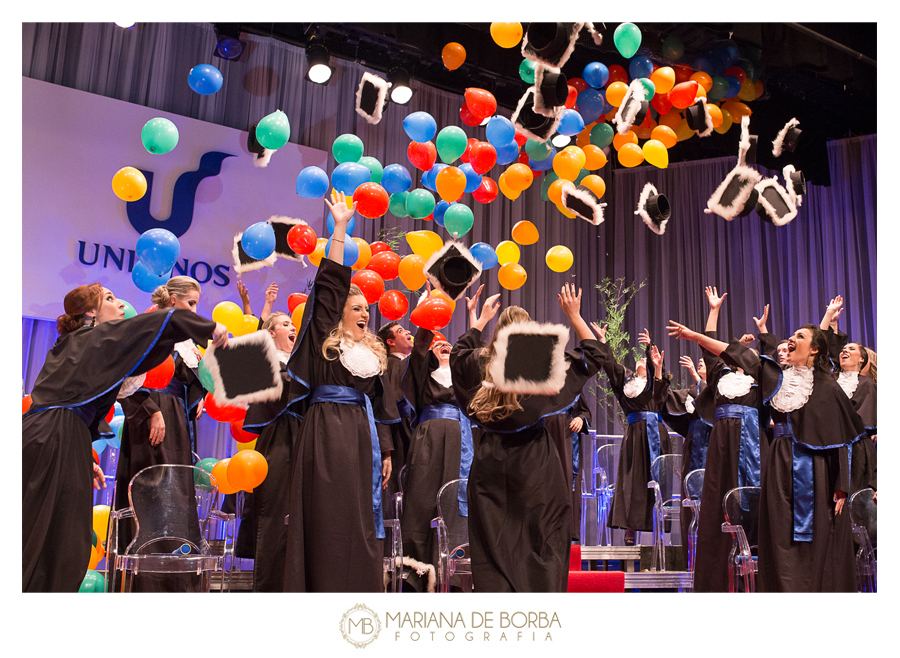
x=452, y=269
x=530, y=358
x=247, y=370
x=371, y=97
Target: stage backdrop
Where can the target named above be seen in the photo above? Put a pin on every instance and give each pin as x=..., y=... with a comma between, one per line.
x=76, y=230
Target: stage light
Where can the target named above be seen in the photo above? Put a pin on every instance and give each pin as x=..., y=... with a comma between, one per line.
x=401, y=92
x=559, y=141
x=229, y=48
x=126, y=26
x=318, y=60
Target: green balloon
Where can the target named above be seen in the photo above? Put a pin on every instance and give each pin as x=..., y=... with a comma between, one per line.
x=273, y=130
x=548, y=179
x=93, y=537
x=93, y=583
x=581, y=175
x=374, y=166
x=719, y=88
x=672, y=48
x=159, y=136
x=206, y=377
x=420, y=203
x=458, y=220
x=648, y=86
x=526, y=71
x=451, y=143
x=627, y=38
x=202, y=479
x=537, y=151
x=397, y=205
x=347, y=148
x=129, y=309
x=602, y=135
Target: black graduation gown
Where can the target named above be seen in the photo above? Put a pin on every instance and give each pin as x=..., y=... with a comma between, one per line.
x=632, y=503
x=332, y=544
x=562, y=436
x=519, y=502
x=401, y=434
x=74, y=391
x=826, y=425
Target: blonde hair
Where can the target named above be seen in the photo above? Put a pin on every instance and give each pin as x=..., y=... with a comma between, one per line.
x=873, y=364
x=489, y=404
x=331, y=349
x=270, y=322
x=177, y=285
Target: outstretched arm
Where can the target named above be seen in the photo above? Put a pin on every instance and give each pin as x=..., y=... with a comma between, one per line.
x=715, y=303
x=832, y=313
x=342, y=215
x=271, y=296
x=245, y=297
x=707, y=343
x=488, y=311
x=570, y=303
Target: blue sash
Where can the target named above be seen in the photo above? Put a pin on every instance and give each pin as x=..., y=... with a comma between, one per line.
x=576, y=456
x=348, y=395
x=748, y=459
x=803, y=491
x=652, y=419
x=452, y=412
x=698, y=430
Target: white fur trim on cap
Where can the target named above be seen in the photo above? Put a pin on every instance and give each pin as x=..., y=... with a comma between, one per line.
x=778, y=144
x=588, y=198
x=595, y=35
x=540, y=107
x=795, y=194
x=382, y=86
x=252, y=265
x=528, y=51
x=440, y=253
x=558, y=364
x=707, y=119
x=648, y=191
x=744, y=144
x=625, y=119
x=731, y=211
x=262, y=160
x=270, y=354
x=771, y=212
x=553, y=122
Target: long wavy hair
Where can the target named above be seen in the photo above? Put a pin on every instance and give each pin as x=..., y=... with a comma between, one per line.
x=331, y=349
x=489, y=404
x=822, y=362
x=873, y=364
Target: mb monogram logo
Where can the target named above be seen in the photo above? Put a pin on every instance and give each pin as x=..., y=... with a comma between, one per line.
x=360, y=626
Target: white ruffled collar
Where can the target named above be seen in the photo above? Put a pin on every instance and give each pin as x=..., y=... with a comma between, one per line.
x=359, y=359
x=283, y=356
x=734, y=384
x=635, y=386
x=848, y=380
x=796, y=387
x=188, y=351
x=689, y=404
x=130, y=385
x=441, y=375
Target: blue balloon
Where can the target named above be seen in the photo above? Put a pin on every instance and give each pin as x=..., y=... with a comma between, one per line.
x=420, y=127
x=118, y=409
x=351, y=251
x=570, y=123
x=484, y=254
x=205, y=79
x=396, y=178
x=146, y=280
x=595, y=74
x=473, y=179
x=99, y=445
x=116, y=425
x=500, y=131
x=734, y=86
x=158, y=250
x=429, y=178
x=312, y=183
x=545, y=164
x=347, y=176
x=329, y=224
x=703, y=64
x=639, y=67
x=258, y=240
x=590, y=104
x=439, y=209
x=507, y=152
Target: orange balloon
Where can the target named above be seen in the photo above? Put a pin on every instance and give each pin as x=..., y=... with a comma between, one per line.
x=567, y=165
x=579, y=153
x=620, y=140
x=615, y=93
x=129, y=184
x=664, y=134
x=670, y=120
x=630, y=155
x=26, y=403
x=315, y=258
x=440, y=294
x=554, y=190
x=365, y=254
x=594, y=157
x=644, y=130
x=737, y=110
x=565, y=211
x=247, y=469
x=453, y=55
x=525, y=232
x=512, y=276
x=701, y=92
x=715, y=115
x=663, y=79
x=297, y=315
x=758, y=86
x=595, y=184
x=704, y=79
x=220, y=476
x=411, y=272
x=508, y=192
x=584, y=137
x=518, y=177
x=684, y=94
x=727, y=120
x=451, y=183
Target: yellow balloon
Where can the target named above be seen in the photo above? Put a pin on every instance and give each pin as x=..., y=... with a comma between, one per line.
x=554, y=190
x=567, y=165
x=410, y=271
x=663, y=79
x=297, y=315
x=251, y=324
x=129, y=184
x=508, y=252
x=595, y=184
x=579, y=153
x=615, y=93
x=565, y=211
x=525, y=232
x=630, y=155
x=683, y=131
x=594, y=157
x=424, y=243
x=506, y=35
x=231, y=315
x=512, y=276
x=508, y=192
x=247, y=446
x=620, y=140
x=100, y=521
x=656, y=153
x=315, y=258
x=365, y=254
x=559, y=258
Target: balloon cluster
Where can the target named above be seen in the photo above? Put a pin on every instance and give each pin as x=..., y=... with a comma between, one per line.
x=244, y=471
x=157, y=251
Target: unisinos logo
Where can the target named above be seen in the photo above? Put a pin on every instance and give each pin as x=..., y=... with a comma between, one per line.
x=360, y=626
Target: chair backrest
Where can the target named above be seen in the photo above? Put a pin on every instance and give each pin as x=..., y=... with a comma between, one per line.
x=693, y=484
x=607, y=464
x=666, y=472
x=741, y=507
x=863, y=512
x=160, y=497
x=448, y=509
x=676, y=444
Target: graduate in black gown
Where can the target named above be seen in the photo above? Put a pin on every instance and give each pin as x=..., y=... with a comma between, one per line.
x=263, y=533
x=74, y=391
x=566, y=429
x=342, y=456
x=519, y=501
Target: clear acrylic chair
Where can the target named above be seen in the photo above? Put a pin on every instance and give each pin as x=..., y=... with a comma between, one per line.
x=676, y=444
x=666, y=484
x=589, y=486
x=863, y=519
x=607, y=468
x=393, y=564
x=452, y=536
x=169, y=536
x=741, y=507
x=692, y=490
x=218, y=527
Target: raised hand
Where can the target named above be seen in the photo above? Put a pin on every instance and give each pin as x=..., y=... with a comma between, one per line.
x=272, y=293
x=680, y=331
x=339, y=209
x=220, y=335
x=761, y=322
x=835, y=305
x=471, y=303
x=600, y=331
x=746, y=339
x=712, y=295
x=657, y=358
x=569, y=302
x=686, y=362
x=644, y=338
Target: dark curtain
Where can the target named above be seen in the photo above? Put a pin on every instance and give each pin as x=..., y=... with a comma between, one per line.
x=828, y=249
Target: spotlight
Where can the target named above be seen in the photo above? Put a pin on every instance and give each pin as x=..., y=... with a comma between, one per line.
x=317, y=59
x=559, y=141
x=401, y=92
x=228, y=43
x=126, y=26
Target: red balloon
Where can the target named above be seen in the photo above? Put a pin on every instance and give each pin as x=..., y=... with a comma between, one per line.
x=26, y=403
x=152, y=308
x=683, y=73
x=579, y=84
x=616, y=74
x=371, y=284
x=487, y=191
x=386, y=263
x=393, y=305
x=224, y=413
x=302, y=239
x=661, y=103
x=112, y=412
x=481, y=102
x=737, y=72
x=95, y=456
x=294, y=300
x=378, y=247
x=482, y=156
x=372, y=200
x=465, y=156
x=523, y=158
x=466, y=116
x=161, y=375
x=520, y=139
x=240, y=434
x=422, y=155
x=571, y=98
x=684, y=94
x=433, y=314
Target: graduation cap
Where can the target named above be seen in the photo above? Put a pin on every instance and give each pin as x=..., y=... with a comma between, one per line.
x=633, y=109
x=698, y=119
x=452, y=269
x=261, y=155
x=371, y=97
x=533, y=125
x=246, y=371
x=795, y=184
x=550, y=91
x=787, y=137
x=747, y=145
x=583, y=202
x=282, y=226
x=654, y=209
x=550, y=44
x=734, y=196
x=775, y=204
x=245, y=263
x=529, y=358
